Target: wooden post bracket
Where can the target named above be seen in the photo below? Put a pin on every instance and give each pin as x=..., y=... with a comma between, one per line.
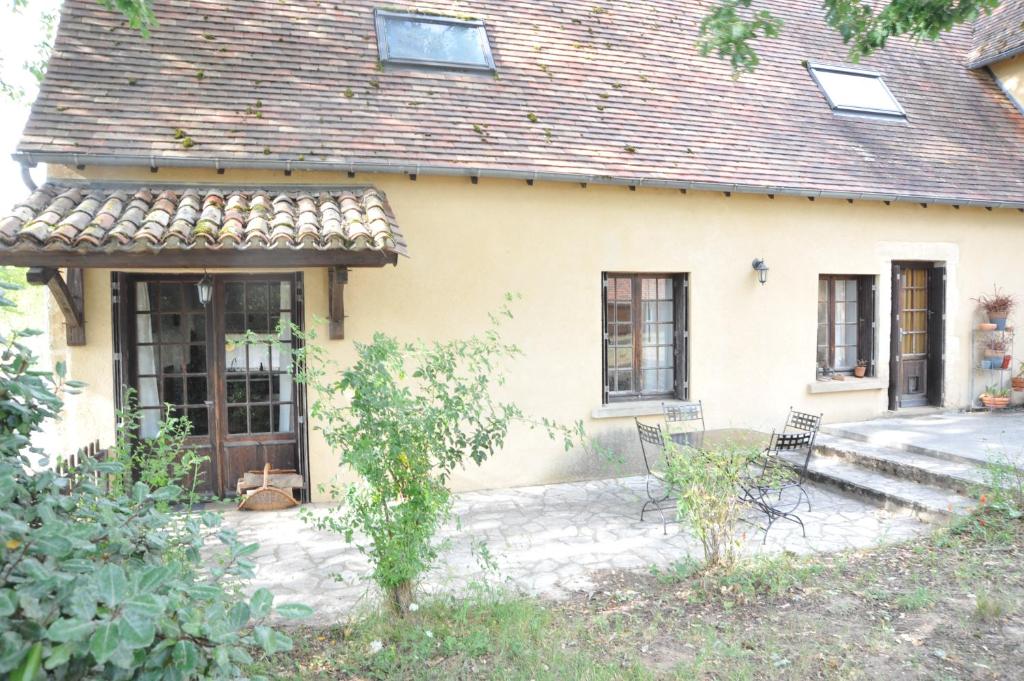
x=337, y=277
x=70, y=297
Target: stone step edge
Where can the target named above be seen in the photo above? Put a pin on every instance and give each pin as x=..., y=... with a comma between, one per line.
x=854, y=452
x=885, y=498
x=913, y=449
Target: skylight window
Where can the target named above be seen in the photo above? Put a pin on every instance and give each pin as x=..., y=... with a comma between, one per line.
x=856, y=91
x=429, y=40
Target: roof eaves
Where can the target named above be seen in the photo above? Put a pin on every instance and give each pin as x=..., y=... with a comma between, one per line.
x=999, y=56
x=413, y=169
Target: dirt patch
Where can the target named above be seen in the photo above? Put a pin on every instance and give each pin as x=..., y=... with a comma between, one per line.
x=950, y=608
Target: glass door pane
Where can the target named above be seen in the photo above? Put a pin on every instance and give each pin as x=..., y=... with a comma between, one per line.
x=258, y=384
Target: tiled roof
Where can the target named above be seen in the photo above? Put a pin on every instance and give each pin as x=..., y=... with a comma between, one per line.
x=584, y=89
x=998, y=35
x=90, y=219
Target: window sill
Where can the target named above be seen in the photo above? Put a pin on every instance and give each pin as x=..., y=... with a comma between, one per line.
x=847, y=385
x=614, y=410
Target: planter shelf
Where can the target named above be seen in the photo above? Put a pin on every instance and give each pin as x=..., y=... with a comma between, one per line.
x=983, y=374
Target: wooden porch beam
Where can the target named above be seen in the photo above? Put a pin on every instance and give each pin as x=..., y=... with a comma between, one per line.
x=70, y=297
x=337, y=277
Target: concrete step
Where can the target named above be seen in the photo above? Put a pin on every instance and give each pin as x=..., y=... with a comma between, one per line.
x=926, y=468
x=928, y=502
x=848, y=434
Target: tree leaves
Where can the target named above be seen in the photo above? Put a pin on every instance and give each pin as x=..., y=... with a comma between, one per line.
x=103, y=642
x=69, y=630
x=111, y=585
x=260, y=603
x=731, y=26
x=294, y=610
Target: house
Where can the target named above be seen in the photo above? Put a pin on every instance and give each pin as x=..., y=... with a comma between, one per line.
x=675, y=234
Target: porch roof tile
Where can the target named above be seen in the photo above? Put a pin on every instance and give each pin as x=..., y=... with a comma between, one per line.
x=86, y=219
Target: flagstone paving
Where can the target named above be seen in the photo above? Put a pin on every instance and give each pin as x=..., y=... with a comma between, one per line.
x=544, y=540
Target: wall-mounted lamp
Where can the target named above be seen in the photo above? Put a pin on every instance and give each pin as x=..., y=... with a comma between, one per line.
x=761, y=269
x=205, y=290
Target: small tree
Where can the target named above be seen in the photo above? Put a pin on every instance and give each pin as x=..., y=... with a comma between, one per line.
x=402, y=418
x=707, y=482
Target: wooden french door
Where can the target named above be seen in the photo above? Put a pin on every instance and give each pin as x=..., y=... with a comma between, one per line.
x=227, y=367
x=917, y=344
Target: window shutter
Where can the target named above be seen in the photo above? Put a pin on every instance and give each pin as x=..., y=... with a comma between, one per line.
x=604, y=338
x=119, y=341
x=866, y=331
x=936, y=333
x=680, y=286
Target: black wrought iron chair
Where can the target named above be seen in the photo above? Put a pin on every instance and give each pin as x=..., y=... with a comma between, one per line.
x=652, y=446
x=777, y=489
x=684, y=423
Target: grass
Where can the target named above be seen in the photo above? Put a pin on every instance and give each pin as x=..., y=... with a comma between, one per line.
x=943, y=607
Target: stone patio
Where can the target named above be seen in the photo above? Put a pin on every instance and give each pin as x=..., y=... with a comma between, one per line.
x=545, y=540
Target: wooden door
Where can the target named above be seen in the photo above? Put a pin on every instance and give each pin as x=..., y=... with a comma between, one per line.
x=225, y=367
x=255, y=395
x=917, y=336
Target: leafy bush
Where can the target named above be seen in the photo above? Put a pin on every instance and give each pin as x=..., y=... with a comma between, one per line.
x=403, y=417
x=707, y=484
x=162, y=460
x=98, y=585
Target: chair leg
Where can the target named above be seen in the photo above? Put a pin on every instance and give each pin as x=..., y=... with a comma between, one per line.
x=655, y=503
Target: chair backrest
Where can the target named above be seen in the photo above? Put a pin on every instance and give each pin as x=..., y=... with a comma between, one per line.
x=793, y=442
x=689, y=413
x=802, y=421
x=650, y=436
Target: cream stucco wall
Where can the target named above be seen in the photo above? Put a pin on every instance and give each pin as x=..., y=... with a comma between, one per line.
x=752, y=350
x=1010, y=74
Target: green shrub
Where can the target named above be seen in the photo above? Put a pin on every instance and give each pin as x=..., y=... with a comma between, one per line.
x=403, y=417
x=106, y=585
x=707, y=484
x=162, y=460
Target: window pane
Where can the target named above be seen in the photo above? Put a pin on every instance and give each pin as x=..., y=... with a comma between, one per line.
x=196, y=387
x=171, y=329
x=856, y=91
x=418, y=40
x=198, y=418
x=170, y=297
x=174, y=390
x=282, y=418
x=144, y=293
x=259, y=419
x=237, y=420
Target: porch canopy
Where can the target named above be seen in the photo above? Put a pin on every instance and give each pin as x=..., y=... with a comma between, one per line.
x=123, y=226
x=134, y=226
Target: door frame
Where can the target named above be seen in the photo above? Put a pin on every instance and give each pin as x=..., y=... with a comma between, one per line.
x=126, y=361
x=935, y=371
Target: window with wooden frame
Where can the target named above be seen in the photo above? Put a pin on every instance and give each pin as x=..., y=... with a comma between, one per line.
x=645, y=336
x=846, y=322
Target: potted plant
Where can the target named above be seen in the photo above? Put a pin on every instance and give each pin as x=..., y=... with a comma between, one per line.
x=995, y=352
x=861, y=368
x=997, y=306
x=1018, y=380
x=995, y=397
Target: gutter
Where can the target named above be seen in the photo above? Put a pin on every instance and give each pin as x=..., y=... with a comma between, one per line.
x=1005, y=54
x=30, y=159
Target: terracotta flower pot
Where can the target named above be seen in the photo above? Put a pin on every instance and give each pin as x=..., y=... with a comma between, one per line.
x=995, y=402
x=988, y=326
x=860, y=371
x=1018, y=383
